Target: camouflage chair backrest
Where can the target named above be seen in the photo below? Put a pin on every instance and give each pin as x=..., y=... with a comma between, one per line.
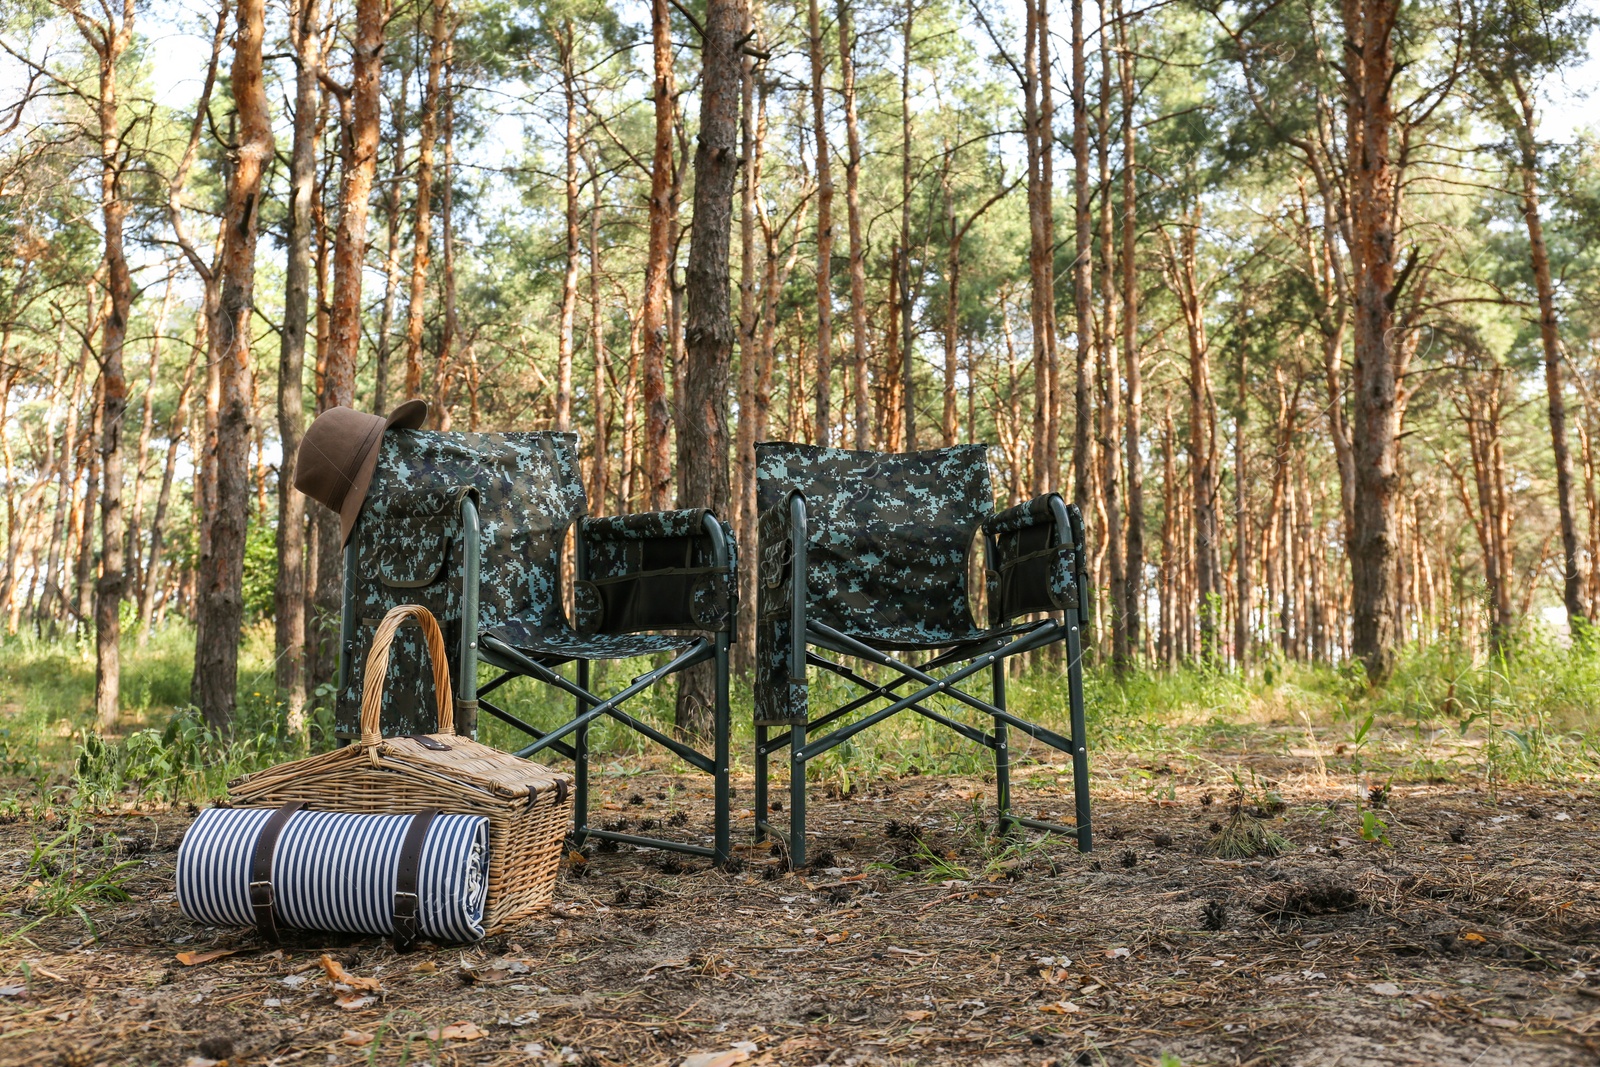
x=408, y=549
x=888, y=535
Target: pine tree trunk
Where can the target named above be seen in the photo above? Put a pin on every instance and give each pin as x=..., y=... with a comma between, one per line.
x=350, y=243
x=852, y=191
x=744, y=505
x=289, y=595
x=338, y=359
x=569, y=280
x=445, y=364
x=1082, y=267
x=824, y=382
x=906, y=367
x=1111, y=388
x=1369, y=57
x=1572, y=580
x=600, y=449
x=709, y=333
x=109, y=42
x=422, y=223
x=658, y=267
x=219, y=581
x=383, y=346
x=1133, y=588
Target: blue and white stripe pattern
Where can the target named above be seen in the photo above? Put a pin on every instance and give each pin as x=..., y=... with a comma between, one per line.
x=336, y=871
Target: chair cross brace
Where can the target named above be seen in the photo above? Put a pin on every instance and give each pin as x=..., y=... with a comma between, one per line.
x=599, y=706
x=1039, y=636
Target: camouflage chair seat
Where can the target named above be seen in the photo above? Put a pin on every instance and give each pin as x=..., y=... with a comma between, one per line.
x=472, y=527
x=862, y=554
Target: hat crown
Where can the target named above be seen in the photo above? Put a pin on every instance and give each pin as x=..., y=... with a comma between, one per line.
x=340, y=451
x=333, y=452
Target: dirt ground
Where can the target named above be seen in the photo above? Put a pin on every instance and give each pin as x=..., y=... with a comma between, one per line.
x=1472, y=938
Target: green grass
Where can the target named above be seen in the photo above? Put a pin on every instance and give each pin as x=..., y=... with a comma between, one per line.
x=1530, y=715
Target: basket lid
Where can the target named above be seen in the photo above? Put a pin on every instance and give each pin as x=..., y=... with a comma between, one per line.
x=465, y=760
x=447, y=760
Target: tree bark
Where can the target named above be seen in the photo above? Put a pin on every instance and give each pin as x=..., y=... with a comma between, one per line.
x=350, y=243
x=750, y=150
x=1082, y=266
x=709, y=334
x=110, y=40
x=906, y=369
x=422, y=224
x=861, y=386
x=1133, y=588
x=824, y=382
x=600, y=450
x=1111, y=390
x=338, y=360
x=1572, y=579
x=289, y=595
x=569, y=281
x=1369, y=61
x=391, y=247
x=445, y=365
x=658, y=267
x=221, y=572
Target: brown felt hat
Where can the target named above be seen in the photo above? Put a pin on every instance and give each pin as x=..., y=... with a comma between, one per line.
x=339, y=453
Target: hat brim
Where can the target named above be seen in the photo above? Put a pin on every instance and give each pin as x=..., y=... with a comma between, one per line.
x=408, y=416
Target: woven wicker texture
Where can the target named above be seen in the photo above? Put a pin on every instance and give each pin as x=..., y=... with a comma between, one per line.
x=527, y=805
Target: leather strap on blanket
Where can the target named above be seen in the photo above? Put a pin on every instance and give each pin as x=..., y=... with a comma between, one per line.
x=406, y=878
x=261, y=869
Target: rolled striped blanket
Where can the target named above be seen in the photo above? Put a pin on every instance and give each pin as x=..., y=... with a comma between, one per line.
x=336, y=871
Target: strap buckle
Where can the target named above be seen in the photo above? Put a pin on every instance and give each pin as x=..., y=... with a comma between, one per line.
x=261, y=894
x=406, y=906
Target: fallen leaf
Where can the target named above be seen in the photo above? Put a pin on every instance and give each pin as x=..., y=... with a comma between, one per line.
x=1385, y=989
x=356, y=1037
x=461, y=1032
x=1060, y=1007
x=200, y=1061
x=338, y=975
x=354, y=1001
x=716, y=1059
x=425, y=967
x=1504, y=1024
x=918, y=1016
x=194, y=959
x=1473, y=937
x=1116, y=953
x=13, y=990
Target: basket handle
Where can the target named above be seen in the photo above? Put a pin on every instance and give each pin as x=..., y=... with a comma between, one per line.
x=378, y=671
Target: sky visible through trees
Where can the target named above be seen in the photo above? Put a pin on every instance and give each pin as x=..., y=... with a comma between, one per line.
x=1297, y=300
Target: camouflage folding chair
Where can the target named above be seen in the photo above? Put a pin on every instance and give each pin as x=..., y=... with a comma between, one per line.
x=472, y=527
x=866, y=553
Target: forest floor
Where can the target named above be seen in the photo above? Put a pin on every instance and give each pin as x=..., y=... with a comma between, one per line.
x=1467, y=932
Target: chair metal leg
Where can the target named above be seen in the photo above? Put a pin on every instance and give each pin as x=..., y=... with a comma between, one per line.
x=1080, y=750
x=1005, y=824
x=797, y=796
x=722, y=842
x=763, y=807
x=580, y=764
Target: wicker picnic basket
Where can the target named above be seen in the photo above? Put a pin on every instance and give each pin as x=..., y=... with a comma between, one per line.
x=527, y=805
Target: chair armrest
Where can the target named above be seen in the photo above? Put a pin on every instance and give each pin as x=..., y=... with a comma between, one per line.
x=662, y=570
x=1036, y=560
x=439, y=502
x=647, y=525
